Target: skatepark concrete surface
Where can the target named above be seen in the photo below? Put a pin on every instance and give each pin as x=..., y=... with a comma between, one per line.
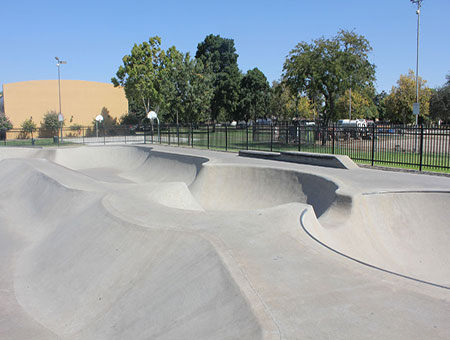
x=153, y=242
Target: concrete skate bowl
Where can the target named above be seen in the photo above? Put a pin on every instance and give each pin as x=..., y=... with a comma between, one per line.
x=213, y=186
x=406, y=233
x=134, y=164
x=72, y=270
x=234, y=187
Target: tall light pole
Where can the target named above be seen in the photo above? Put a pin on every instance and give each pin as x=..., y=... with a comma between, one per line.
x=60, y=117
x=416, y=108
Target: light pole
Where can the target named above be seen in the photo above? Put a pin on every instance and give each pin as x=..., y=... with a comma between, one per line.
x=60, y=116
x=416, y=107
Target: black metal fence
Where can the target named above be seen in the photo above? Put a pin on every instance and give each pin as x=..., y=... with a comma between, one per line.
x=419, y=147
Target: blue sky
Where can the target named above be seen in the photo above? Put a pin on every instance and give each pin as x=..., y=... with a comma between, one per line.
x=93, y=36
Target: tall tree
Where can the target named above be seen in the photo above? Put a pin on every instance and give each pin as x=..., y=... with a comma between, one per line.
x=399, y=102
x=286, y=106
x=440, y=103
x=254, y=96
x=140, y=74
x=326, y=68
x=219, y=57
x=50, y=125
x=362, y=106
x=5, y=123
x=187, y=88
x=380, y=103
x=28, y=126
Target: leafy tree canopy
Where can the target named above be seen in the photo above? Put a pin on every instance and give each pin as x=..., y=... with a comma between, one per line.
x=286, y=106
x=380, y=103
x=254, y=96
x=141, y=74
x=28, y=126
x=440, y=103
x=5, y=123
x=362, y=106
x=399, y=102
x=51, y=122
x=324, y=69
x=187, y=88
x=219, y=58
x=217, y=53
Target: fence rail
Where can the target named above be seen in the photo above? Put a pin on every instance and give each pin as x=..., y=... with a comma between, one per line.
x=418, y=147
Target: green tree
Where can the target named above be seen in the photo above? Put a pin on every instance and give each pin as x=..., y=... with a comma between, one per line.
x=5, y=123
x=286, y=106
x=380, y=103
x=440, y=103
x=362, y=106
x=254, y=96
x=186, y=87
x=141, y=74
x=219, y=57
x=324, y=69
x=28, y=127
x=129, y=118
x=399, y=102
x=136, y=111
x=50, y=125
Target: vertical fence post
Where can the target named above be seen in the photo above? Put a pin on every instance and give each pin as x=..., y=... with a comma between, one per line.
x=207, y=136
x=168, y=132
x=421, y=147
x=246, y=126
x=145, y=139
x=271, y=137
x=104, y=135
x=192, y=135
x=299, y=136
x=178, y=134
x=373, y=143
x=287, y=134
x=226, y=137
x=84, y=132
x=332, y=136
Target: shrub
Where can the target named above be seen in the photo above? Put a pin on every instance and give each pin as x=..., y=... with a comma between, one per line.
x=50, y=125
x=5, y=123
x=28, y=127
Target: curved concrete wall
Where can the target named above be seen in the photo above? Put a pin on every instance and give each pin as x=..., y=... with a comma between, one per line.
x=81, y=101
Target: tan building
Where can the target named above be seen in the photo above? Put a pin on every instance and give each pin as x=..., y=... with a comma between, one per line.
x=81, y=101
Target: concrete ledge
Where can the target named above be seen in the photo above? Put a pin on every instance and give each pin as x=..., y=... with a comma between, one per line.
x=319, y=159
x=259, y=154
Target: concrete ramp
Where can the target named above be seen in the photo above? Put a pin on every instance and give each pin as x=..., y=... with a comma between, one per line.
x=116, y=157
x=80, y=273
x=233, y=187
x=404, y=232
x=166, y=243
